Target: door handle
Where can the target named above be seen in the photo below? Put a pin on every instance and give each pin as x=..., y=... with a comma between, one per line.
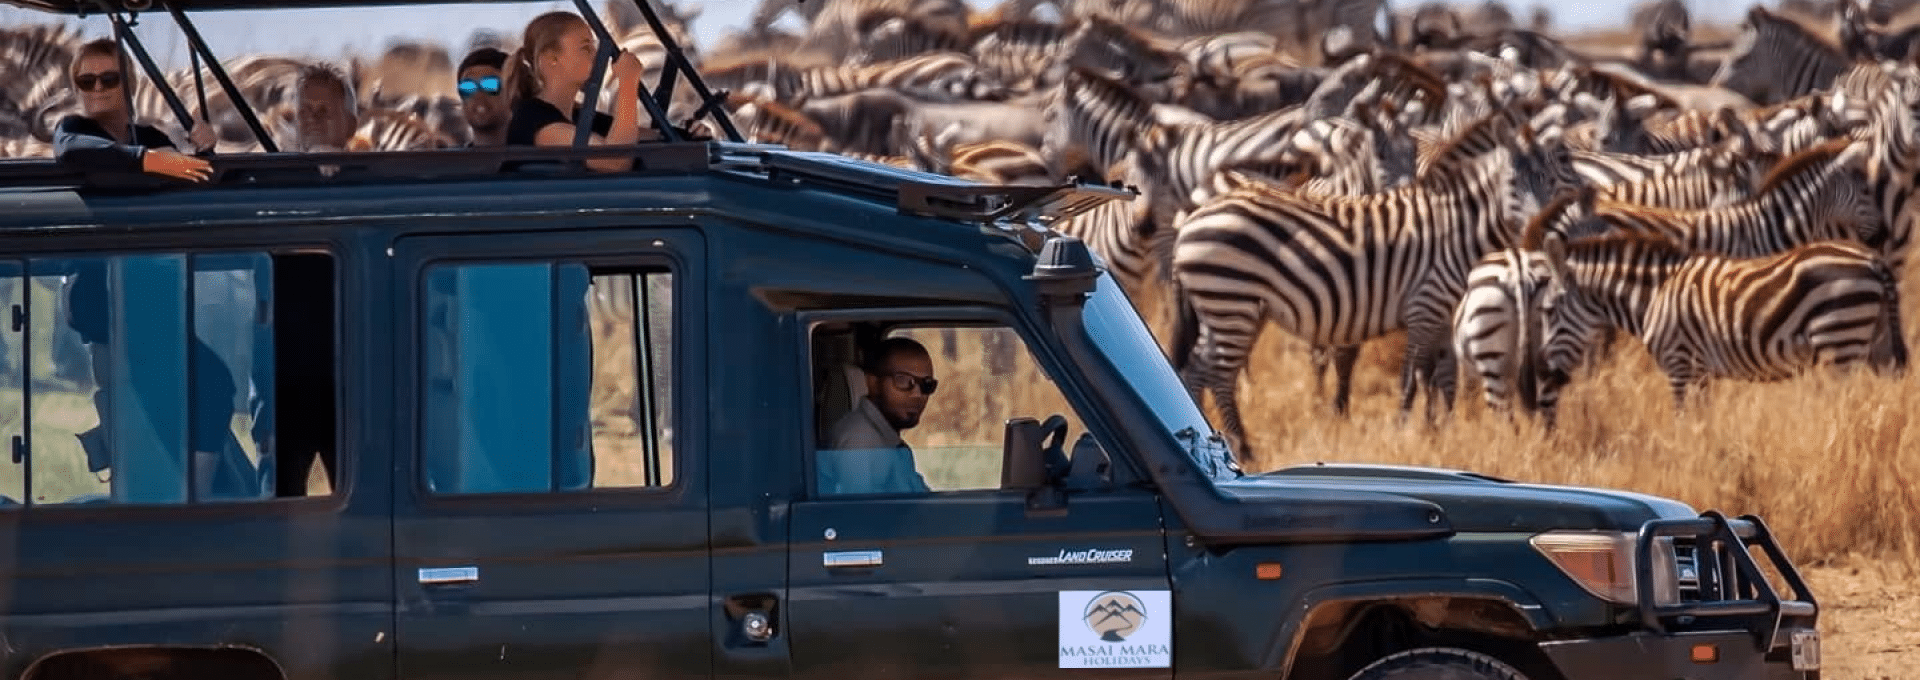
x=852, y=558
x=446, y=576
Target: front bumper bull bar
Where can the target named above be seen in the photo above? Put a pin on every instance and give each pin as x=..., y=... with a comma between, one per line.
x=1736, y=625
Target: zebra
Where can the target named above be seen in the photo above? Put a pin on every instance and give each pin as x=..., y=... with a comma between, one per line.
x=36, y=90
x=943, y=76
x=1332, y=270
x=1497, y=324
x=1776, y=58
x=396, y=130
x=1817, y=194
x=1705, y=315
x=889, y=35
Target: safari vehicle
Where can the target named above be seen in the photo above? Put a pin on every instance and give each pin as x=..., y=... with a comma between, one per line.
x=422, y=419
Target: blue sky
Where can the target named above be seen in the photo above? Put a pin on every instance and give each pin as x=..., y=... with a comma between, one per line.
x=327, y=32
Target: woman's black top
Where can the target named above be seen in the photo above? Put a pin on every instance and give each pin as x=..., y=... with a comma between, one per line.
x=84, y=142
x=532, y=114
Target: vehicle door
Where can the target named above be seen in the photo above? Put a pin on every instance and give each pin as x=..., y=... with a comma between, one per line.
x=181, y=473
x=553, y=523
x=966, y=579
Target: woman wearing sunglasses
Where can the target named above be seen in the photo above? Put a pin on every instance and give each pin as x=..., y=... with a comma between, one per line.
x=546, y=74
x=96, y=138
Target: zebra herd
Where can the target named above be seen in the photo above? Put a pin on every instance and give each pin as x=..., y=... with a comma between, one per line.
x=1504, y=199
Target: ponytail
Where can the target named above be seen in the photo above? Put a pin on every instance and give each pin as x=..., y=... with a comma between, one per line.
x=521, y=79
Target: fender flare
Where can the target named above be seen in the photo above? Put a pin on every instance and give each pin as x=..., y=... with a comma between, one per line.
x=1285, y=646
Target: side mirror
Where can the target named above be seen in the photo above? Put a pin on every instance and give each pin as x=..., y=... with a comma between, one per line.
x=1022, y=466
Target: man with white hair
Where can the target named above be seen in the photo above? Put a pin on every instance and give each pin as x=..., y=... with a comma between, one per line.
x=326, y=112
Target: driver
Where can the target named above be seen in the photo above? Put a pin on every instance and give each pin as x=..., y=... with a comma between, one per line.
x=865, y=452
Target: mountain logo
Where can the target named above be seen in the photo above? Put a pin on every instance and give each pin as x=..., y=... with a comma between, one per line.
x=1114, y=615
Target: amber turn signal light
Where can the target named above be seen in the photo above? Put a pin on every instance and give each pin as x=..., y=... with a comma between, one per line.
x=1267, y=571
x=1706, y=653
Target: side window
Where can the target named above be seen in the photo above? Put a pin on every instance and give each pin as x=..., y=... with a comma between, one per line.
x=547, y=377
x=157, y=379
x=880, y=431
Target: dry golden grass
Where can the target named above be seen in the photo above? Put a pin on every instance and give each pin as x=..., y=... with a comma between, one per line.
x=1831, y=463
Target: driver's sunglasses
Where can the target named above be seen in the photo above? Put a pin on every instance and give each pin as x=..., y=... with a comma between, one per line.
x=905, y=381
x=472, y=86
x=95, y=82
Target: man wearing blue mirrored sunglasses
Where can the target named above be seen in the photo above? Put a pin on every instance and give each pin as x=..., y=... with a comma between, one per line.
x=481, y=100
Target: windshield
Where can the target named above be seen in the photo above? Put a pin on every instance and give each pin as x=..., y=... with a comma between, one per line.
x=1116, y=329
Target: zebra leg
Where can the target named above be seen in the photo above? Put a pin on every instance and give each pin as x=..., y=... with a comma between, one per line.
x=1412, y=368
x=1344, y=357
x=1318, y=355
x=1441, y=383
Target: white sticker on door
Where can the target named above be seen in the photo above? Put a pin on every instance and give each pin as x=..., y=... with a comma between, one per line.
x=1116, y=629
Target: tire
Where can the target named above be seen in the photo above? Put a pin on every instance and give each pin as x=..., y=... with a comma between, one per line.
x=1438, y=663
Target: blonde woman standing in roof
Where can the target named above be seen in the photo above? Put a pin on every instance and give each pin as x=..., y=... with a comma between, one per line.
x=545, y=76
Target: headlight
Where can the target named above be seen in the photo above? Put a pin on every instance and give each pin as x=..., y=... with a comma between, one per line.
x=1600, y=562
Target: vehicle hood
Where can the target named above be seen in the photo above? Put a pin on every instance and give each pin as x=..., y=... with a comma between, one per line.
x=1399, y=499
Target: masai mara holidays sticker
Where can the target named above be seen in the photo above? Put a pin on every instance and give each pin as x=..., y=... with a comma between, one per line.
x=1116, y=629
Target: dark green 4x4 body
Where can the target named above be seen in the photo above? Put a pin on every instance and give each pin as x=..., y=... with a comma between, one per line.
x=387, y=318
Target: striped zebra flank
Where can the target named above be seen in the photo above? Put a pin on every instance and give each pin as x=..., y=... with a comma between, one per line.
x=1330, y=270
x=1816, y=195
x=1706, y=316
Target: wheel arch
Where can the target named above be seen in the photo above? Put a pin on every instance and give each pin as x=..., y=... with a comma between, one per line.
x=156, y=662
x=1342, y=627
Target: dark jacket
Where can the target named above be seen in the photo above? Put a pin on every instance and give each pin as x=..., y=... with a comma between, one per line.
x=84, y=142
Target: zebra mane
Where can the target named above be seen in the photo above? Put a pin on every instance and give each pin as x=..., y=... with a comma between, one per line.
x=1017, y=32
x=1411, y=73
x=1116, y=97
x=1652, y=243
x=1793, y=166
x=1490, y=129
x=1565, y=201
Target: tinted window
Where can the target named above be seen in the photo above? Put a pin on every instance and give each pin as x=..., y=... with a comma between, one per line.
x=150, y=379
x=545, y=377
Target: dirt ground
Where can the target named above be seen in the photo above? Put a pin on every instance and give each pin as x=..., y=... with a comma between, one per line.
x=1869, y=622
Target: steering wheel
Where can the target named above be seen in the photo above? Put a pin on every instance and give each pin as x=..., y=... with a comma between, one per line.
x=1053, y=435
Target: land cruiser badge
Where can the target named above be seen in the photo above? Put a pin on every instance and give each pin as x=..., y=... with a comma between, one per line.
x=1115, y=629
x=1088, y=556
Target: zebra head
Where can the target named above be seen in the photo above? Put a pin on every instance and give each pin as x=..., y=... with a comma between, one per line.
x=1776, y=58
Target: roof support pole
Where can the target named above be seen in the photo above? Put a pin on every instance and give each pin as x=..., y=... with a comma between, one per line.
x=583, y=121
x=123, y=29
x=226, y=82
x=677, y=63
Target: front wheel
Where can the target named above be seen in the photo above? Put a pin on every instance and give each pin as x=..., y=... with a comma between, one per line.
x=1438, y=663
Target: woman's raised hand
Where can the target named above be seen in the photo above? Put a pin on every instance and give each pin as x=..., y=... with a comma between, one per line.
x=627, y=68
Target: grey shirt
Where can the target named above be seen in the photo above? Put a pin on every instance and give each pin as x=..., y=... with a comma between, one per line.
x=866, y=455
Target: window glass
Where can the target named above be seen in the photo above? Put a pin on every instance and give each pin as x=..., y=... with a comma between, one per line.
x=632, y=419
x=142, y=379
x=13, y=394
x=535, y=381
x=985, y=375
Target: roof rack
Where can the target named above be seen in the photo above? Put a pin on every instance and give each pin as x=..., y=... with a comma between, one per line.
x=125, y=13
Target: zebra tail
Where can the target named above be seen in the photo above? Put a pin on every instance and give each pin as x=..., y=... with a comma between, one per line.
x=1896, y=334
